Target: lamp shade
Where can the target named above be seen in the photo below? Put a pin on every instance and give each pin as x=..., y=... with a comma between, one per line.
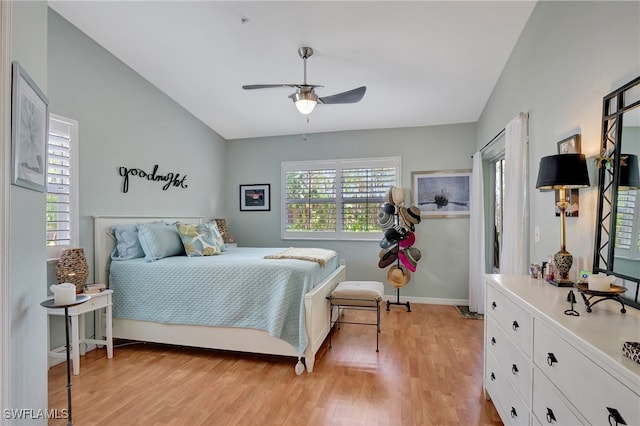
x=629, y=175
x=563, y=171
x=305, y=101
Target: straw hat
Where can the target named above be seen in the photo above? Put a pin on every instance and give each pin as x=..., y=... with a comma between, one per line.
x=410, y=215
x=398, y=276
x=395, y=195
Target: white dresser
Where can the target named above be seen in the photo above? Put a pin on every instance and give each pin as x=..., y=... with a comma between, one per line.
x=544, y=367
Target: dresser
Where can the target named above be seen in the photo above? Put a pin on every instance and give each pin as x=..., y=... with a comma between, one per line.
x=544, y=367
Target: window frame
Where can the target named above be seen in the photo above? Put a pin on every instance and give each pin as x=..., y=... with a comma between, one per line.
x=338, y=165
x=53, y=252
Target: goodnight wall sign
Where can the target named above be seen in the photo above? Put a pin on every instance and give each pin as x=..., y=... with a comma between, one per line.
x=169, y=179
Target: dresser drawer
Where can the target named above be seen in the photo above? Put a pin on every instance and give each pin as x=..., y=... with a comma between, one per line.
x=548, y=406
x=512, y=363
x=507, y=402
x=513, y=320
x=592, y=390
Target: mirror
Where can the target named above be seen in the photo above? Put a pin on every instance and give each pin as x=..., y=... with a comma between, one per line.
x=617, y=245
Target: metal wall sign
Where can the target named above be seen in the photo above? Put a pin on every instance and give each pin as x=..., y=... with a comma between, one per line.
x=170, y=179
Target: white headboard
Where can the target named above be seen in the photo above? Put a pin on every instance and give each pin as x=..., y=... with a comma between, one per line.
x=103, y=239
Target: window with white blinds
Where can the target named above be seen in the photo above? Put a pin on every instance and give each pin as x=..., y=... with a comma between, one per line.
x=62, y=187
x=627, y=236
x=336, y=199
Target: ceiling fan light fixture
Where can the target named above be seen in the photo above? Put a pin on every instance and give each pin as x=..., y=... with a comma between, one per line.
x=305, y=102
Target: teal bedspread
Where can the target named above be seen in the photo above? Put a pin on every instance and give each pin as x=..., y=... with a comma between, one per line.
x=238, y=288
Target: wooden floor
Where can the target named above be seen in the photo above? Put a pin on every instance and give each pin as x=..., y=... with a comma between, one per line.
x=428, y=372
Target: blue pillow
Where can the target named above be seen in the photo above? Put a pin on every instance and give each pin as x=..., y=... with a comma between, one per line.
x=159, y=240
x=127, y=245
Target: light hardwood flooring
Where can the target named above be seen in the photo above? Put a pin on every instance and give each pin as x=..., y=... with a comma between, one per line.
x=428, y=372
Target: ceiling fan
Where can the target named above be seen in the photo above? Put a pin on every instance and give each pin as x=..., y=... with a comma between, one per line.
x=305, y=97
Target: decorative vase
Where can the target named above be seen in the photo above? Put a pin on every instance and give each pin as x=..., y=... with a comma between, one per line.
x=72, y=268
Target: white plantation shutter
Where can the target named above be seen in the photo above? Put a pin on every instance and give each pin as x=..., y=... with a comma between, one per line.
x=61, y=207
x=627, y=241
x=363, y=192
x=335, y=199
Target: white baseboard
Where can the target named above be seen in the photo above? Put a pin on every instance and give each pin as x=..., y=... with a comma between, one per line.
x=427, y=300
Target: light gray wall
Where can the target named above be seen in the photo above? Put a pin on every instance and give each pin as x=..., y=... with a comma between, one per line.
x=442, y=272
x=569, y=55
x=27, y=256
x=123, y=120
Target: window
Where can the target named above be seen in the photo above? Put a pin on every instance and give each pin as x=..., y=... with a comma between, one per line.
x=627, y=241
x=497, y=194
x=336, y=199
x=62, y=185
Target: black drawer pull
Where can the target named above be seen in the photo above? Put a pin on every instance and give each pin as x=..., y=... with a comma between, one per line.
x=514, y=414
x=514, y=369
x=493, y=377
x=550, y=417
x=493, y=305
x=551, y=358
x=515, y=326
x=615, y=418
x=493, y=341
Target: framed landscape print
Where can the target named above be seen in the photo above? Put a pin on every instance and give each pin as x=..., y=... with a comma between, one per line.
x=441, y=194
x=255, y=197
x=29, y=130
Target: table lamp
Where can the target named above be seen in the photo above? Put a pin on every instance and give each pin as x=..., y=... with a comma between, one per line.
x=562, y=172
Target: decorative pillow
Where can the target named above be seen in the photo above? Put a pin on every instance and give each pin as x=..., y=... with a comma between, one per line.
x=218, y=235
x=198, y=240
x=127, y=245
x=159, y=240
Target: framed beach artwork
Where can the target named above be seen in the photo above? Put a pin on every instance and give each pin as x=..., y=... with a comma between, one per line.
x=29, y=129
x=441, y=194
x=255, y=197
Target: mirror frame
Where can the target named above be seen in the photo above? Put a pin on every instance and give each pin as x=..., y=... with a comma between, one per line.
x=613, y=108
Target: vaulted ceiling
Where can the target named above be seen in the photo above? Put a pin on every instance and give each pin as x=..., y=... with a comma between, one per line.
x=423, y=62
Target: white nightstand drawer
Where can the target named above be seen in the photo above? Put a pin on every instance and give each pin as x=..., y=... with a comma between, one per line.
x=548, y=405
x=512, y=363
x=592, y=390
x=509, y=405
x=516, y=323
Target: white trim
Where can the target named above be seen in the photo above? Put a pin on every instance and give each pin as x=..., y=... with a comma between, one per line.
x=74, y=203
x=5, y=149
x=428, y=300
x=338, y=164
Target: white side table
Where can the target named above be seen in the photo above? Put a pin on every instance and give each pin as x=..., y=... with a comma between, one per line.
x=96, y=302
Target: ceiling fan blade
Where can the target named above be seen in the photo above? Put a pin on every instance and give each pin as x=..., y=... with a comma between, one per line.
x=267, y=86
x=348, y=97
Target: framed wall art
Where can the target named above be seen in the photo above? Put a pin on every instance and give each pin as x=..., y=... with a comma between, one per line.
x=29, y=130
x=255, y=197
x=441, y=194
x=570, y=145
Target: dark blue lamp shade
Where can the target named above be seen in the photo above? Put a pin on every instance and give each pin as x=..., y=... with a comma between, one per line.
x=563, y=171
x=629, y=175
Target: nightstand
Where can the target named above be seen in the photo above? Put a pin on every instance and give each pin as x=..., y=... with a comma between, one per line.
x=97, y=302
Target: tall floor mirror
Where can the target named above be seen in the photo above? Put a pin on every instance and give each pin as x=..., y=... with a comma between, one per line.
x=617, y=238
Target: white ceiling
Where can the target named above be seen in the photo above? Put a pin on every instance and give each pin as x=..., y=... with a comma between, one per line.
x=423, y=62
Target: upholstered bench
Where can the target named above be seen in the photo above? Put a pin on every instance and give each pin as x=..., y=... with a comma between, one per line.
x=357, y=295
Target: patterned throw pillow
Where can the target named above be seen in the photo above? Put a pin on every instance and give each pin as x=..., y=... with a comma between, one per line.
x=218, y=235
x=198, y=240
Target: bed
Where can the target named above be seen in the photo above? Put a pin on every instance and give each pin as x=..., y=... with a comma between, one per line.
x=298, y=332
